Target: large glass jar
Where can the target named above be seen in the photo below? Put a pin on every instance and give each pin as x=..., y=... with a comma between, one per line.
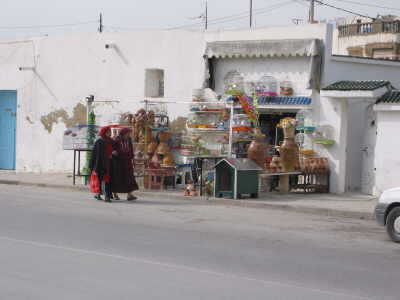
x=304, y=118
x=233, y=83
x=266, y=86
x=286, y=88
x=241, y=122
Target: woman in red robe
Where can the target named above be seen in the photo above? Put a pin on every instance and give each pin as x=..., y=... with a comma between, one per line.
x=124, y=178
x=101, y=161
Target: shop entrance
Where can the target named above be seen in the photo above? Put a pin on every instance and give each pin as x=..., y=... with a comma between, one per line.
x=8, y=113
x=268, y=124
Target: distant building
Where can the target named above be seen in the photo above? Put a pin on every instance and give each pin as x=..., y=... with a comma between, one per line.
x=364, y=37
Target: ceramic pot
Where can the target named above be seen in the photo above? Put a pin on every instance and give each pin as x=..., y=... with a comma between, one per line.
x=258, y=150
x=164, y=136
x=162, y=149
x=151, y=148
x=168, y=160
x=155, y=162
x=289, y=153
x=275, y=164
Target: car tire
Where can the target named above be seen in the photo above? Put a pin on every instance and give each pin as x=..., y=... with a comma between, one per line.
x=393, y=224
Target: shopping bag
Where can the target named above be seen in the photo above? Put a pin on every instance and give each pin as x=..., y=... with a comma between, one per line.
x=95, y=183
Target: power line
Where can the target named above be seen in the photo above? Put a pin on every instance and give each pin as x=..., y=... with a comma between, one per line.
x=342, y=9
x=230, y=17
x=48, y=26
x=238, y=16
x=368, y=5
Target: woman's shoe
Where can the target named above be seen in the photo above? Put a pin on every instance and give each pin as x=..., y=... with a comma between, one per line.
x=98, y=197
x=116, y=197
x=108, y=200
x=131, y=198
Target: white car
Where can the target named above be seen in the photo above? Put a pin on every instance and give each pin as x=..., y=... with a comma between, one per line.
x=387, y=212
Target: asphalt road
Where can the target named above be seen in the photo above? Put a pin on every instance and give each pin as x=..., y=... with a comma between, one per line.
x=64, y=245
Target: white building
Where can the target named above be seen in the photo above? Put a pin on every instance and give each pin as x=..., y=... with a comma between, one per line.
x=363, y=37
x=48, y=79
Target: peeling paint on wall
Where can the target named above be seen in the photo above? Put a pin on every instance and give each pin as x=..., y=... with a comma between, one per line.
x=78, y=117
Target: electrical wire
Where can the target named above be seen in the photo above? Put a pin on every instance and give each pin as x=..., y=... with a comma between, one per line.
x=48, y=26
x=341, y=9
x=367, y=5
x=238, y=16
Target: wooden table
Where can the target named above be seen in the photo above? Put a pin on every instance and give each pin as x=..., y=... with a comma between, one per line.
x=284, y=187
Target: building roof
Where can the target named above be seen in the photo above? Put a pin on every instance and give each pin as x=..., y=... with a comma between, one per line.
x=284, y=100
x=241, y=164
x=365, y=85
x=390, y=97
x=264, y=48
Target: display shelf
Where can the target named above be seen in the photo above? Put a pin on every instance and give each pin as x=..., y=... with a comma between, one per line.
x=325, y=142
x=159, y=128
x=206, y=111
x=208, y=129
x=306, y=128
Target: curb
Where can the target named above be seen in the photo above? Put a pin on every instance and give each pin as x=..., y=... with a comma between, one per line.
x=219, y=201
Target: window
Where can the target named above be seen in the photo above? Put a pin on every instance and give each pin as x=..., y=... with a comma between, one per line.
x=154, y=84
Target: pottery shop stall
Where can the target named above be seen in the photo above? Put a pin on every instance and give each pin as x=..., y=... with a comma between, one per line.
x=273, y=126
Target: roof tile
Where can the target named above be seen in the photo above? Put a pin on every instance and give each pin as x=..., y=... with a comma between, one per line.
x=347, y=85
x=390, y=97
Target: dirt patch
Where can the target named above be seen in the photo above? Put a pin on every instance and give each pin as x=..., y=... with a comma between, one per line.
x=61, y=115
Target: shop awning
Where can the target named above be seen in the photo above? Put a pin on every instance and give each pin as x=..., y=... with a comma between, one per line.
x=263, y=48
x=272, y=48
x=284, y=100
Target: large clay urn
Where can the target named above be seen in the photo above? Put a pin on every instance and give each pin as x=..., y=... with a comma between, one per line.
x=289, y=151
x=258, y=149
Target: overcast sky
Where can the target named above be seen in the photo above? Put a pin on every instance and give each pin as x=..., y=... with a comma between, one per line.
x=120, y=15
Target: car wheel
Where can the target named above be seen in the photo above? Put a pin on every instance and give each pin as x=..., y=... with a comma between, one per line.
x=393, y=224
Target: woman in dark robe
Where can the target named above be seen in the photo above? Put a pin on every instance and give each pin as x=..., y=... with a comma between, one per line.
x=101, y=161
x=124, y=178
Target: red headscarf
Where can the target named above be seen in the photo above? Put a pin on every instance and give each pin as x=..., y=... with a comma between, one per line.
x=107, y=139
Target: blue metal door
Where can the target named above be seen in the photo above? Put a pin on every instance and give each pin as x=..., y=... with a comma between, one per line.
x=8, y=114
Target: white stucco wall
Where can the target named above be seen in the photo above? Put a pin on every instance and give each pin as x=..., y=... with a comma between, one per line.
x=69, y=68
x=387, y=158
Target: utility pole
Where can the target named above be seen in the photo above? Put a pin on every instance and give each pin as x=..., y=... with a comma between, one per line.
x=206, y=16
x=251, y=13
x=101, y=23
x=311, y=14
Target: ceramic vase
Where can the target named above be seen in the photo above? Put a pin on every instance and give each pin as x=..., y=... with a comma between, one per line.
x=258, y=149
x=289, y=153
